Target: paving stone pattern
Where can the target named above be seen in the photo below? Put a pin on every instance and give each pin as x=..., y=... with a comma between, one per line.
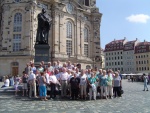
x=134, y=100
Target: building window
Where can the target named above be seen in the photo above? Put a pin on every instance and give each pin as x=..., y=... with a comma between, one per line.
x=69, y=47
x=87, y=2
x=86, y=50
x=16, y=42
x=17, y=22
x=118, y=63
x=69, y=30
x=121, y=63
x=17, y=0
x=147, y=68
x=85, y=35
x=137, y=69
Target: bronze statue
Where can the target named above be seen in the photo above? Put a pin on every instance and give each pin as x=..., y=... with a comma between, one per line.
x=44, y=24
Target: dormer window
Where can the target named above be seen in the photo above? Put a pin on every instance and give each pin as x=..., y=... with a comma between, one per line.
x=17, y=0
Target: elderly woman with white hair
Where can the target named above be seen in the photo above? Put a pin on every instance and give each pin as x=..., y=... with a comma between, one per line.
x=74, y=81
x=92, y=86
x=53, y=82
x=117, y=85
x=103, y=84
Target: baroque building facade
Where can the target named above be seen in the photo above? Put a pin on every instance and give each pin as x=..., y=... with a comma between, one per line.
x=114, y=55
x=128, y=56
x=129, y=63
x=142, y=57
x=74, y=33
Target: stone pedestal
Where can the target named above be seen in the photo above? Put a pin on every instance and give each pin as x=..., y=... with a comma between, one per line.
x=41, y=53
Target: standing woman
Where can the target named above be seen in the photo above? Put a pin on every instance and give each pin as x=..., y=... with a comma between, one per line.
x=92, y=86
x=117, y=85
x=24, y=81
x=42, y=86
x=103, y=85
x=109, y=85
x=83, y=84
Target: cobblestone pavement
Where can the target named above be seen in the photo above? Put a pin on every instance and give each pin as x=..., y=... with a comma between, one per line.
x=134, y=100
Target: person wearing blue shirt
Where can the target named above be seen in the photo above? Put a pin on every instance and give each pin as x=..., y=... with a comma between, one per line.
x=103, y=85
x=92, y=86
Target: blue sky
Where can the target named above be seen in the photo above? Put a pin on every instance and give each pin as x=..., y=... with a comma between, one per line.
x=124, y=18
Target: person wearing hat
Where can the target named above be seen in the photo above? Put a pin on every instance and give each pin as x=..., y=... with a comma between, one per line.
x=145, y=77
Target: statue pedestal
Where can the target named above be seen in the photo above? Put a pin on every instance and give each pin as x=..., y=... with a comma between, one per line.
x=41, y=53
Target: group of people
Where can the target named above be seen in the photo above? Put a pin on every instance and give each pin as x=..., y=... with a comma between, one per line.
x=70, y=81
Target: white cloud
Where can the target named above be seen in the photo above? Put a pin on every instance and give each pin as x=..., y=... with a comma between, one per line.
x=139, y=18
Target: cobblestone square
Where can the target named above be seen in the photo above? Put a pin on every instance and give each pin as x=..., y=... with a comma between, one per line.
x=134, y=100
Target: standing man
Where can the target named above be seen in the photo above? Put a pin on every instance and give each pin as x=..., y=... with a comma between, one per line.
x=145, y=77
x=32, y=83
x=27, y=69
x=63, y=78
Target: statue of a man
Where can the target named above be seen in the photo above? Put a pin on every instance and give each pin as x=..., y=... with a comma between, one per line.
x=44, y=24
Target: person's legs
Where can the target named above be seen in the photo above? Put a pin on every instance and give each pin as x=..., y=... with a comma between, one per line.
x=76, y=93
x=118, y=91
x=146, y=86
x=41, y=92
x=23, y=88
x=111, y=91
x=90, y=92
x=105, y=91
x=44, y=93
x=102, y=91
x=72, y=93
x=62, y=88
x=84, y=91
x=31, y=88
x=3, y=86
x=94, y=94
x=34, y=89
x=81, y=91
x=115, y=91
x=65, y=88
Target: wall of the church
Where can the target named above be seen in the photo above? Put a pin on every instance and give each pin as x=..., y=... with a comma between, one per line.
x=81, y=17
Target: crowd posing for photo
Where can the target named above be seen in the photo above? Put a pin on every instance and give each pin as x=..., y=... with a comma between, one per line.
x=46, y=81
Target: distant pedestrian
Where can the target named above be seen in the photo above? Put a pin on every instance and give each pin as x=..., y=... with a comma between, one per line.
x=132, y=78
x=145, y=77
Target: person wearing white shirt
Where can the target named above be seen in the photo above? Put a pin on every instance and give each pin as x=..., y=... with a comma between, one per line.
x=32, y=83
x=77, y=72
x=63, y=78
x=69, y=66
x=50, y=68
x=83, y=84
x=6, y=82
x=53, y=82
